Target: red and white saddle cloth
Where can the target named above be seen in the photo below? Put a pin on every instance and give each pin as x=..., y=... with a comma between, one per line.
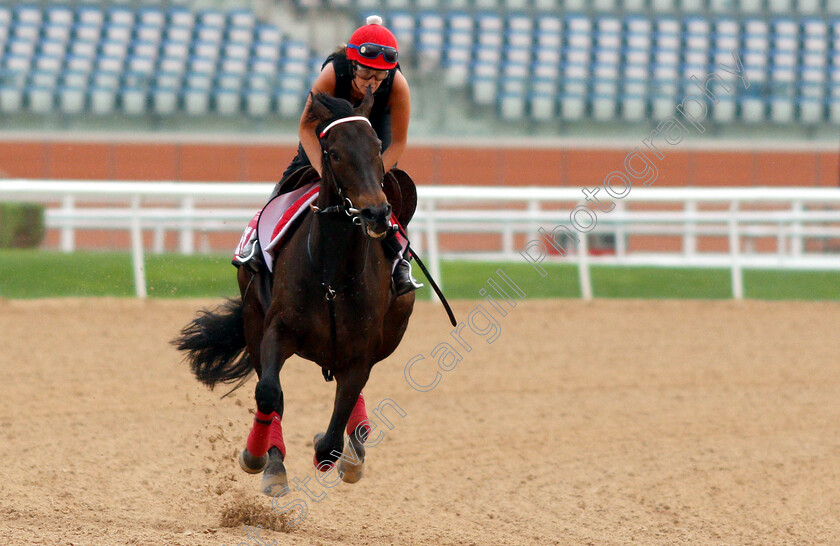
x=272, y=222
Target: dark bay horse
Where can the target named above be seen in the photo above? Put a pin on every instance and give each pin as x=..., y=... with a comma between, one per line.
x=329, y=300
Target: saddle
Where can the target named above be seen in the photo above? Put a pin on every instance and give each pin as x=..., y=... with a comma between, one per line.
x=399, y=188
x=290, y=201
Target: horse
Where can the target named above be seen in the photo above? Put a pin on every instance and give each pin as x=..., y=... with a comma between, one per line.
x=329, y=300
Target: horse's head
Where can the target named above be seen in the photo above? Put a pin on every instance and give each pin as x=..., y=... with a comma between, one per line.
x=352, y=160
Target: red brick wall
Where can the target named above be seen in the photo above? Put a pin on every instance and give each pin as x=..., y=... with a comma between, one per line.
x=427, y=164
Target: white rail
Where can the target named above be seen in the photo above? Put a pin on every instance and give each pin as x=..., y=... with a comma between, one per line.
x=792, y=216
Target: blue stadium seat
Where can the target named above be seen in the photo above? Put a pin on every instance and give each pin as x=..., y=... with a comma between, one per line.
x=56, y=15
x=105, y=79
x=133, y=101
x=662, y=106
x=180, y=17
x=164, y=100
x=151, y=16
x=40, y=100
x=572, y=108
x=811, y=111
x=209, y=34
x=120, y=16
x=52, y=48
x=633, y=107
x=26, y=31
x=59, y=33
x=512, y=106
x=211, y=18
x=28, y=14
x=175, y=65
x=71, y=100
x=196, y=101
x=242, y=18
x=724, y=112
x=47, y=79
x=74, y=79
x=240, y=36
x=288, y=104
x=118, y=33
x=258, y=102
x=484, y=89
x=177, y=33
x=542, y=106
x=148, y=33
x=11, y=99
x=456, y=67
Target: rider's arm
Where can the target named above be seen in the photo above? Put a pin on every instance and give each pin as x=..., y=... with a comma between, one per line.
x=324, y=83
x=400, y=103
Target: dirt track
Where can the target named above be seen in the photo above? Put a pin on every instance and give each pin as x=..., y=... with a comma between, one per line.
x=608, y=423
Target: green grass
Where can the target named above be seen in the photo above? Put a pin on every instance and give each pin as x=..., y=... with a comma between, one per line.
x=37, y=274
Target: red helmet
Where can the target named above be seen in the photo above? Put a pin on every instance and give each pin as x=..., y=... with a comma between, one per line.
x=373, y=45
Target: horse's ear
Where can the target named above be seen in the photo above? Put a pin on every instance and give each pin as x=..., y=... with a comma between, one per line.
x=367, y=105
x=318, y=111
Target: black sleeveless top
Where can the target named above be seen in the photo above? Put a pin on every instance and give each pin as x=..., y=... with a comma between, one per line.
x=380, y=113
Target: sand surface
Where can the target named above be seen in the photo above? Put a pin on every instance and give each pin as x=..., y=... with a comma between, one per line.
x=610, y=422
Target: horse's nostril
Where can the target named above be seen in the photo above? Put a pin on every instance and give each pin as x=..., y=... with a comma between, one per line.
x=368, y=214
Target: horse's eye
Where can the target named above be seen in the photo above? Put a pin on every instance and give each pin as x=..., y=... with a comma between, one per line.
x=334, y=155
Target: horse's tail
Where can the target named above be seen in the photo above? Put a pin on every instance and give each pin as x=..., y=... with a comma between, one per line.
x=215, y=344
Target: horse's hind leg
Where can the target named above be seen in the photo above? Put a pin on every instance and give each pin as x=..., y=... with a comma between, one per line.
x=253, y=459
x=329, y=446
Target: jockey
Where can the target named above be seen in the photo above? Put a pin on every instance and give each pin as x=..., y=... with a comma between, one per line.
x=368, y=61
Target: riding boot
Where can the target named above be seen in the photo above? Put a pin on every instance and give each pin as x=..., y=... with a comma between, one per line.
x=404, y=282
x=401, y=279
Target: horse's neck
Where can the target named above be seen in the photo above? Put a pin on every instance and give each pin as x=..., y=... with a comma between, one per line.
x=337, y=245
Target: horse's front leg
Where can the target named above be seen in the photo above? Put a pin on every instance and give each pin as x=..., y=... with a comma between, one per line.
x=329, y=446
x=265, y=441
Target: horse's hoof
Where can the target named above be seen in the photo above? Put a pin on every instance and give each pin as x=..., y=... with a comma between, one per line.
x=274, y=482
x=351, y=468
x=351, y=473
x=324, y=466
x=251, y=464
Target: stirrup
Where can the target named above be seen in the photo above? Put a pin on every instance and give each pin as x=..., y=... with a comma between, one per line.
x=251, y=257
x=404, y=281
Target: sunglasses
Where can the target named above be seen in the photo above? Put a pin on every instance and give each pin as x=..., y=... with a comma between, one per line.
x=372, y=51
x=367, y=73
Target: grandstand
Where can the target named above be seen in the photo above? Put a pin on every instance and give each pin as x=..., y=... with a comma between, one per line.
x=533, y=66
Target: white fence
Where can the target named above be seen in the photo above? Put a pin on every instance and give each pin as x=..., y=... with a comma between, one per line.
x=791, y=216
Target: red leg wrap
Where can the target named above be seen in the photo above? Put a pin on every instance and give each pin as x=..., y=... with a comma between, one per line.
x=258, y=438
x=323, y=467
x=275, y=435
x=357, y=417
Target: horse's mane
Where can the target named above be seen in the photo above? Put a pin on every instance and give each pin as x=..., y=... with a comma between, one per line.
x=339, y=108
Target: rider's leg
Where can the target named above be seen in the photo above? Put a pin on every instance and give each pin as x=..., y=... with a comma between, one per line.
x=403, y=281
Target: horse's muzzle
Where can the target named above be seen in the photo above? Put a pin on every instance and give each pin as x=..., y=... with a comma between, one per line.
x=375, y=220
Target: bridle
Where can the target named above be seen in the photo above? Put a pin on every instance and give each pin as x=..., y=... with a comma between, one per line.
x=346, y=205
